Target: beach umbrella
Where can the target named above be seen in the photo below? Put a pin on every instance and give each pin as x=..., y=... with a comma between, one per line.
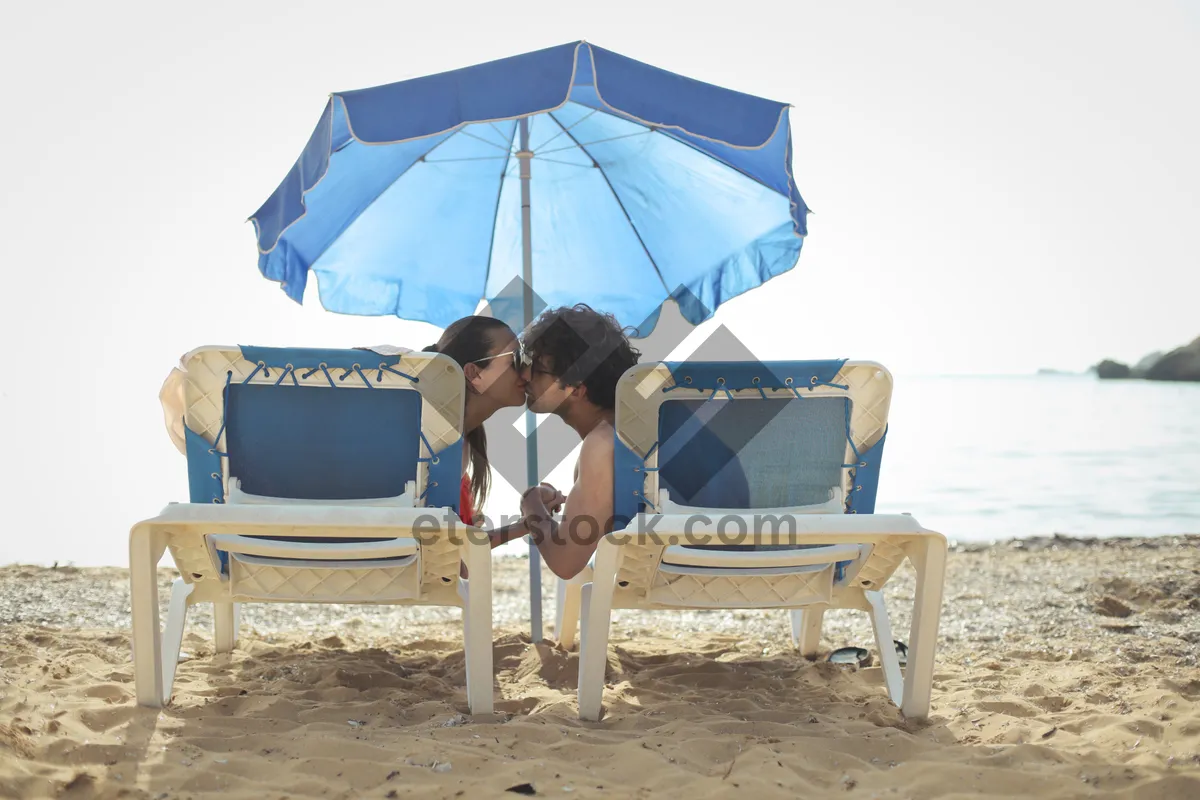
x=571, y=174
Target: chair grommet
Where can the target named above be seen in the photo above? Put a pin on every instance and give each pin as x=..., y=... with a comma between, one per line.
x=813, y=380
x=787, y=382
x=687, y=379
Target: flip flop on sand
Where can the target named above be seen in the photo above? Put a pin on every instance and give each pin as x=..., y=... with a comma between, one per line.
x=859, y=656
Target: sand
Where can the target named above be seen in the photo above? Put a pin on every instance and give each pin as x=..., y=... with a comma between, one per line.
x=1067, y=668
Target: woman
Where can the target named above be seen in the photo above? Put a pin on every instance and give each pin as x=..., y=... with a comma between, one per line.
x=490, y=356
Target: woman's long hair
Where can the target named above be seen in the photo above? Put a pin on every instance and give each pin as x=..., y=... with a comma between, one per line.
x=468, y=340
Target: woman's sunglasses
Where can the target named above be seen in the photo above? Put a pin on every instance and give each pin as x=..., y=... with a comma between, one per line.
x=520, y=357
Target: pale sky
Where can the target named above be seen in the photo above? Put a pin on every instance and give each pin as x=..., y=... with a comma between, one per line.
x=996, y=188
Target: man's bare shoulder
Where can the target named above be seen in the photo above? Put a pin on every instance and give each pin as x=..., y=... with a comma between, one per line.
x=598, y=446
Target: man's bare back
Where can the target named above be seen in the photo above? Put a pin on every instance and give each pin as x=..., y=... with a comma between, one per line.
x=588, y=514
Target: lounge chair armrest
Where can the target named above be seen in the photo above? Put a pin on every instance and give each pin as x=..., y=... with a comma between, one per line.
x=751, y=528
x=424, y=524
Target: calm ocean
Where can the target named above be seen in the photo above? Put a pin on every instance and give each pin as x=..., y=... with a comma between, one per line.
x=986, y=458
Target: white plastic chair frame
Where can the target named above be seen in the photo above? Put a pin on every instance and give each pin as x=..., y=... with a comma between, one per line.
x=653, y=571
x=423, y=566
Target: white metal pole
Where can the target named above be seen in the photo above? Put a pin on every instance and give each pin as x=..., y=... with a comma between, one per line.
x=531, y=455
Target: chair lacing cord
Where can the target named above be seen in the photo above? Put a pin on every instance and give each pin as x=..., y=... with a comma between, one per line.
x=815, y=382
x=431, y=458
x=720, y=389
x=858, y=459
x=356, y=368
x=323, y=367
x=385, y=368
x=220, y=431
x=858, y=462
x=259, y=366
x=288, y=370
x=214, y=451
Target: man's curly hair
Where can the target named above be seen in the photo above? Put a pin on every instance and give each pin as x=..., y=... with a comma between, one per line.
x=579, y=345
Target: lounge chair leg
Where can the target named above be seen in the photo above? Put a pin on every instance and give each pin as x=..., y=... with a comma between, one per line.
x=569, y=597
x=172, y=638
x=145, y=550
x=464, y=591
x=806, y=629
x=929, y=559
x=225, y=626
x=477, y=628
x=887, y=646
x=596, y=602
x=560, y=601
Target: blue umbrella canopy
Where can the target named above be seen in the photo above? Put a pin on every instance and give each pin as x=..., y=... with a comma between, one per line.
x=643, y=185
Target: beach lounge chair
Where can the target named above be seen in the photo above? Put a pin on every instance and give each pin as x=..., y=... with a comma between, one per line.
x=316, y=476
x=806, y=439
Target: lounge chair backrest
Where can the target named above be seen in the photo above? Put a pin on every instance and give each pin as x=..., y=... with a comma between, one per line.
x=797, y=433
x=807, y=436
x=278, y=425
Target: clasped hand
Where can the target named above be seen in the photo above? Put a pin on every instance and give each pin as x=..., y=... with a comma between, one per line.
x=541, y=501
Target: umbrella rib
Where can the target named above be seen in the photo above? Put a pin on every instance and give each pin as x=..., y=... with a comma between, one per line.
x=583, y=119
x=598, y=141
x=472, y=158
x=464, y=132
x=674, y=137
x=560, y=161
x=496, y=128
x=616, y=197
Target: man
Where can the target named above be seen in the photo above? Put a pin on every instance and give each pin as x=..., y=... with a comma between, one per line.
x=575, y=358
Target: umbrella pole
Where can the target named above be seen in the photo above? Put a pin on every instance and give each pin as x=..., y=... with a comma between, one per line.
x=531, y=453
